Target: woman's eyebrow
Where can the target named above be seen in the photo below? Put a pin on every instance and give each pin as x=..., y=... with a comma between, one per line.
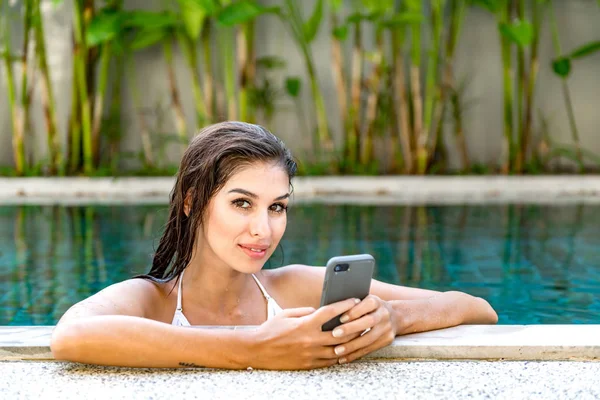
x=255, y=196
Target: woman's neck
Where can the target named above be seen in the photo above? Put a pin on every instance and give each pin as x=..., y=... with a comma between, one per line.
x=216, y=288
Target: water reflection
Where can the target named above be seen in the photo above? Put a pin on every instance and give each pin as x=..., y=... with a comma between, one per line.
x=535, y=264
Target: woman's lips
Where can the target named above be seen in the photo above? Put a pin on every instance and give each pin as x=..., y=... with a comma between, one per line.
x=256, y=252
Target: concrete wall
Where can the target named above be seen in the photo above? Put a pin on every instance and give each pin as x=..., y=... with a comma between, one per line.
x=478, y=65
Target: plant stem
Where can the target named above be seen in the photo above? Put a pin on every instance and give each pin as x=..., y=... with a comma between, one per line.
x=75, y=121
x=458, y=129
x=522, y=82
x=17, y=140
x=105, y=56
x=374, y=86
x=227, y=39
x=189, y=48
x=246, y=70
x=81, y=79
x=533, y=71
x=566, y=91
x=399, y=99
x=457, y=15
x=432, y=91
x=434, y=99
x=47, y=95
x=507, y=150
x=415, y=80
x=176, y=106
x=208, y=75
x=355, y=89
x=294, y=21
x=339, y=76
x=25, y=88
x=242, y=60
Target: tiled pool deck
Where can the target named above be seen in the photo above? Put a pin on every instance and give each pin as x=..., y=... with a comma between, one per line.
x=504, y=362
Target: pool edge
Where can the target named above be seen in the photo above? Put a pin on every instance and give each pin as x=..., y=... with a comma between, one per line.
x=467, y=342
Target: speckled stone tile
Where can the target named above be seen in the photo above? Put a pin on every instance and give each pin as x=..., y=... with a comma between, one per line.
x=360, y=380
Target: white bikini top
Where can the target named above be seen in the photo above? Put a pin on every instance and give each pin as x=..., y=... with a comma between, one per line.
x=180, y=320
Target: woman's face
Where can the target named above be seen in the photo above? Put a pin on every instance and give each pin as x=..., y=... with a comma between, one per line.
x=246, y=219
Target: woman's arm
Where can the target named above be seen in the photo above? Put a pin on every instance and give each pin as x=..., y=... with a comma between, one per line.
x=417, y=309
x=129, y=341
x=112, y=328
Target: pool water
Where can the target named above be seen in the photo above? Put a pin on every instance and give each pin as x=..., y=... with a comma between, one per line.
x=533, y=263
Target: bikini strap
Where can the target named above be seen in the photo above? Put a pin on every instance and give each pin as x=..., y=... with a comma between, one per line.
x=262, y=288
x=179, y=292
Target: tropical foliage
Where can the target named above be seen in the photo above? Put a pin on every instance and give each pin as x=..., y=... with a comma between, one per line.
x=392, y=64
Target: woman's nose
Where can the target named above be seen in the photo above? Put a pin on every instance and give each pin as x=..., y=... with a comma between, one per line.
x=259, y=225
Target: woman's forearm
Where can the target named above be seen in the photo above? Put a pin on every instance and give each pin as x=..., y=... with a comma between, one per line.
x=138, y=342
x=442, y=311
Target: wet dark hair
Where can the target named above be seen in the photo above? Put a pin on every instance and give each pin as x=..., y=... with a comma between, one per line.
x=212, y=157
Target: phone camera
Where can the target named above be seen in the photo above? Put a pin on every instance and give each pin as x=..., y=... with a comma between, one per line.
x=341, y=267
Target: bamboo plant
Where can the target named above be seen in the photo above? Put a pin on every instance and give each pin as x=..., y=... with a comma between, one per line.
x=562, y=66
x=7, y=58
x=304, y=33
x=236, y=21
x=518, y=31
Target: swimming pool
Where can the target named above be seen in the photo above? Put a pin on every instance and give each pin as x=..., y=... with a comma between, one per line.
x=533, y=263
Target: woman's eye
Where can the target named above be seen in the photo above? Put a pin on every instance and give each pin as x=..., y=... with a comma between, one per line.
x=278, y=208
x=242, y=203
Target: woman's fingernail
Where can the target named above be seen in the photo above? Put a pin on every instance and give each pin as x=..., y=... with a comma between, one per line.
x=342, y=360
x=340, y=350
x=337, y=332
x=357, y=301
x=345, y=318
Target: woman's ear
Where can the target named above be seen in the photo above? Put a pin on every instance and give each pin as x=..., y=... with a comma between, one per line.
x=187, y=203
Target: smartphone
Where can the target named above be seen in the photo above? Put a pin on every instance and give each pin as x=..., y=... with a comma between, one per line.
x=346, y=277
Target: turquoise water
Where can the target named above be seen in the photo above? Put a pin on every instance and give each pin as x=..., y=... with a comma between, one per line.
x=534, y=264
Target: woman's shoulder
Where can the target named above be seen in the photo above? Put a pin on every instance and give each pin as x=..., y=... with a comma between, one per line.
x=152, y=296
x=297, y=285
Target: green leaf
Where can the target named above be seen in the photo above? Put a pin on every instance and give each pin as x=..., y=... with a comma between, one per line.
x=358, y=17
x=340, y=32
x=144, y=39
x=104, y=27
x=586, y=49
x=402, y=19
x=311, y=27
x=414, y=5
x=562, y=67
x=209, y=6
x=519, y=32
x=242, y=12
x=335, y=5
x=148, y=20
x=293, y=85
x=193, y=16
x=378, y=7
x=492, y=6
x=271, y=62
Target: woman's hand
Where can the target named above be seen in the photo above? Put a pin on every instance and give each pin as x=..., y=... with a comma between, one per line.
x=374, y=323
x=293, y=339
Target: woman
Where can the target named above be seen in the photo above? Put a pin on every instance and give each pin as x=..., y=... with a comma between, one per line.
x=227, y=216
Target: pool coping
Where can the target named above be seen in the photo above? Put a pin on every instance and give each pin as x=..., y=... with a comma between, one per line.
x=466, y=342
x=552, y=189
